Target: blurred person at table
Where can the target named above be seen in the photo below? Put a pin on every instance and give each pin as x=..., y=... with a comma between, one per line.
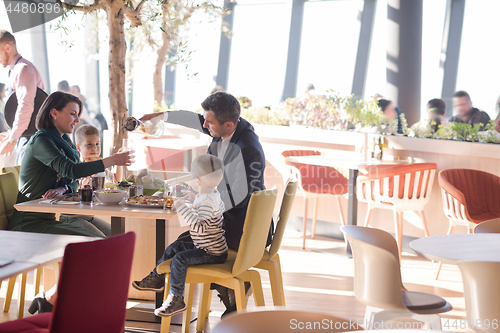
x=24, y=79
x=390, y=112
x=51, y=166
x=435, y=111
x=466, y=112
x=75, y=90
x=63, y=86
x=236, y=144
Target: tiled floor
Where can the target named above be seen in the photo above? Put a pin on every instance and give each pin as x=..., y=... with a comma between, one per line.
x=320, y=279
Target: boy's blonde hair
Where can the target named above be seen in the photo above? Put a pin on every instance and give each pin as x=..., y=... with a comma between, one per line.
x=208, y=167
x=85, y=130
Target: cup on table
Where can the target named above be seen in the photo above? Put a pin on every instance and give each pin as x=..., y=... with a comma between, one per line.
x=86, y=195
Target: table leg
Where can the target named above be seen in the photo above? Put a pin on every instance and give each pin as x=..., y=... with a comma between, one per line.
x=160, y=248
x=117, y=225
x=352, y=207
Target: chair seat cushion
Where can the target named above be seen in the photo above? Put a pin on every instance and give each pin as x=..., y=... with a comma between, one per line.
x=33, y=324
x=422, y=301
x=218, y=270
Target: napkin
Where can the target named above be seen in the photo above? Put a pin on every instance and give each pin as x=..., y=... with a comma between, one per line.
x=62, y=202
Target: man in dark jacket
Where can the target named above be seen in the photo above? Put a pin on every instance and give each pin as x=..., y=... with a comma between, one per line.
x=237, y=145
x=466, y=113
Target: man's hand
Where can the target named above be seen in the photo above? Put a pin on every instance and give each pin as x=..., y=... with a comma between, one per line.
x=155, y=118
x=54, y=193
x=7, y=147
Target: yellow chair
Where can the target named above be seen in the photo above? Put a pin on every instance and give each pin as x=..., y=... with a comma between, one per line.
x=231, y=274
x=8, y=197
x=16, y=170
x=378, y=284
x=271, y=260
x=270, y=319
x=481, y=292
x=488, y=227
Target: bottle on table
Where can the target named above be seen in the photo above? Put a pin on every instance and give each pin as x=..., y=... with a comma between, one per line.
x=146, y=127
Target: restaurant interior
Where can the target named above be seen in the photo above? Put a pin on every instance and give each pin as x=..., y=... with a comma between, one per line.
x=359, y=177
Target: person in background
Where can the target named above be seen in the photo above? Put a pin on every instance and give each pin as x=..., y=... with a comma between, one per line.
x=217, y=89
x=63, y=86
x=390, y=112
x=466, y=112
x=435, y=111
x=497, y=121
x=3, y=125
x=310, y=90
x=24, y=79
x=75, y=90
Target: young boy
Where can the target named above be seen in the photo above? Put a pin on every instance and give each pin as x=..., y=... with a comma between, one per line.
x=88, y=143
x=205, y=227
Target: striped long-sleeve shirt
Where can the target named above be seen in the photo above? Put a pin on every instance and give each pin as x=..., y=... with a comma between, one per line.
x=205, y=222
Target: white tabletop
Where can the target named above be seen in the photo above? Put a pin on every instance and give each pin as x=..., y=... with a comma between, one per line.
x=332, y=161
x=122, y=210
x=31, y=250
x=452, y=248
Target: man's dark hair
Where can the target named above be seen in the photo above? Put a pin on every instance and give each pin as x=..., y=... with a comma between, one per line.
x=383, y=103
x=462, y=93
x=57, y=100
x=437, y=105
x=224, y=106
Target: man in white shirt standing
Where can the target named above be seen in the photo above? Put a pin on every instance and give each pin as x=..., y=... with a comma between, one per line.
x=24, y=79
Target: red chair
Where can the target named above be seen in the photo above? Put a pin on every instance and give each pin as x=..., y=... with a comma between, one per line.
x=400, y=188
x=93, y=290
x=315, y=181
x=469, y=197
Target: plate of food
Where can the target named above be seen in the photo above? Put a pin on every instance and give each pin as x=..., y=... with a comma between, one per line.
x=149, y=201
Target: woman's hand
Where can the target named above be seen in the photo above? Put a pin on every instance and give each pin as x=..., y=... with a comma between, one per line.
x=54, y=193
x=120, y=158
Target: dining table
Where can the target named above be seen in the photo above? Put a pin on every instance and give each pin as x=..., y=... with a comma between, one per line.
x=450, y=249
x=355, y=166
x=118, y=214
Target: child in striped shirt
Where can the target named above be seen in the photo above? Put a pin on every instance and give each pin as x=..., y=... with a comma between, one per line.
x=205, y=227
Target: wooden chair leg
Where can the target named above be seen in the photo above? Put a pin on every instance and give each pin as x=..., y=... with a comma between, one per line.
x=306, y=201
x=424, y=222
x=256, y=283
x=165, y=321
x=450, y=230
x=186, y=315
x=10, y=292
x=239, y=292
x=204, y=306
x=398, y=232
x=341, y=211
x=22, y=294
x=315, y=215
x=38, y=277
x=276, y=279
x=368, y=216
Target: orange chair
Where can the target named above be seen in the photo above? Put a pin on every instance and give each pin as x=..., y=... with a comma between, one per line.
x=315, y=181
x=469, y=197
x=400, y=188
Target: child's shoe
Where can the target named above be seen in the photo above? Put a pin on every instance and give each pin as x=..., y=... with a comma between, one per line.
x=151, y=282
x=171, y=306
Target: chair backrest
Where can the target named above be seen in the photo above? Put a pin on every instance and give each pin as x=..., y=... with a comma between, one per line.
x=482, y=292
x=477, y=191
x=286, y=207
x=282, y=320
x=93, y=286
x=399, y=183
x=8, y=197
x=16, y=170
x=488, y=227
x=377, y=275
x=255, y=230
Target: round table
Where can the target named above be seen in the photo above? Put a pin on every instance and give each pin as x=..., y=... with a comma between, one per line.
x=450, y=249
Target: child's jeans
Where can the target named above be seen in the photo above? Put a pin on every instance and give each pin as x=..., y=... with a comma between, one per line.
x=185, y=254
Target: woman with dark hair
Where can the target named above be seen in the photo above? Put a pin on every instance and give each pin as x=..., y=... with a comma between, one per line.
x=390, y=112
x=51, y=166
